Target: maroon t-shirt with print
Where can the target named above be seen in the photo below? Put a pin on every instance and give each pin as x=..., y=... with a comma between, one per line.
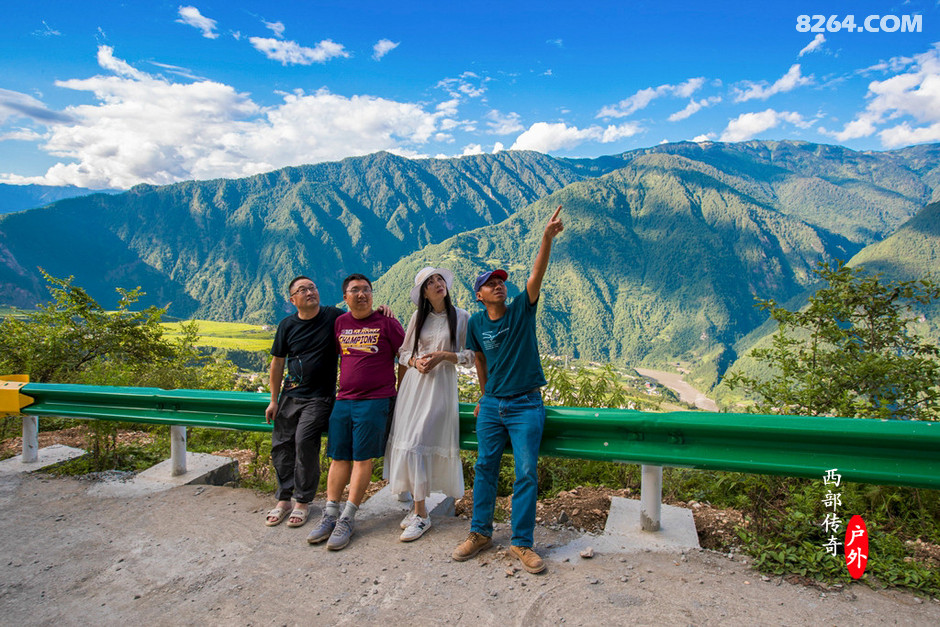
x=367, y=350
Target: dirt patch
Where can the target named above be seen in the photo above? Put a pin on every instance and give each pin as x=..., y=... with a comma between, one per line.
x=925, y=552
x=584, y=508
x=76, y=437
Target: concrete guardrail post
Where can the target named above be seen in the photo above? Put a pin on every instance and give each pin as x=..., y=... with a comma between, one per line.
x=651, y=497
x=177, y=450
x=30, y=439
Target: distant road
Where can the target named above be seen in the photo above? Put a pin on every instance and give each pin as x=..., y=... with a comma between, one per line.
x=687, y=393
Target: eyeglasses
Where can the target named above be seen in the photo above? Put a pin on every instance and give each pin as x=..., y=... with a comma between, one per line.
x=355, y=291
x=304, y=290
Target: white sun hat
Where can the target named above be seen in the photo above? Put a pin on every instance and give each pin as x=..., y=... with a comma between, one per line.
x=424, y=274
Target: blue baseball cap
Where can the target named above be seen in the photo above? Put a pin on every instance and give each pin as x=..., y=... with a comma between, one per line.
x=483, y=278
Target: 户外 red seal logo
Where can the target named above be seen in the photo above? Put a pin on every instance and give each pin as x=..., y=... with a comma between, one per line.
x=856, y=546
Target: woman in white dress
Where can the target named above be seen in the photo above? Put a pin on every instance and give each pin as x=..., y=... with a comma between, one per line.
x=423, y=454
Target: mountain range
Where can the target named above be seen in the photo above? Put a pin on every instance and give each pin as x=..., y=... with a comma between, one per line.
x=663, y=253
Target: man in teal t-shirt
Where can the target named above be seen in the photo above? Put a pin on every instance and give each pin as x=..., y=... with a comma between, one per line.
x=510, y=374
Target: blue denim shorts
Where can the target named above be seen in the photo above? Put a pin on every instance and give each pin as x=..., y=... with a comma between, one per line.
x=358, y=429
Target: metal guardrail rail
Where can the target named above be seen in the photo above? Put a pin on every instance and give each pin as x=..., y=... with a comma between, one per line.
x=867, y=451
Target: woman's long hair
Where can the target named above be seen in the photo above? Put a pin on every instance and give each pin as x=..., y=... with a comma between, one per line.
x=424, y=308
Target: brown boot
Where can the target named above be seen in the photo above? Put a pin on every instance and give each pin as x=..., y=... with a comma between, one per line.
x=474, y=543
x=529, y=558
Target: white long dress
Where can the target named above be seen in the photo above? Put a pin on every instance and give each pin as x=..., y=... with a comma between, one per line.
x=423, y=454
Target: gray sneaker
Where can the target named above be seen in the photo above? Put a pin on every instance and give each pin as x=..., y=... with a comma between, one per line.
x=323, y=529
x=341, y=534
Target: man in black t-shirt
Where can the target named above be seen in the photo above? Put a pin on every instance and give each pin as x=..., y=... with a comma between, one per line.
x=302, y=401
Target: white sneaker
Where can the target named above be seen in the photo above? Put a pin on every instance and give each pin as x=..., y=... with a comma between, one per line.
x=407, y=520
x=416, y=529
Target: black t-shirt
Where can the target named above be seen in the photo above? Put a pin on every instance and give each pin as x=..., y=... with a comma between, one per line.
x=309, y=347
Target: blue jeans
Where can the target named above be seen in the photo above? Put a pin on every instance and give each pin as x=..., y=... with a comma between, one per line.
x=520, y=420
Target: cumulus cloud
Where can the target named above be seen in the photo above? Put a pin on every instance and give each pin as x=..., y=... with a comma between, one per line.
x=500, y=124
x=143, y=128
x=814, y=45
x=788, y=82
x=292, y=53
x=748, y=125
x=192, y=17
x=382, y=47
x=548, y=137
x=693, y=107
x=642, y=98
x=914, y=94
x=14, y=104
x=472, y=149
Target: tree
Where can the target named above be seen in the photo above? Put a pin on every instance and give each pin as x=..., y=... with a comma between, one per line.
x=72, y=339
x=850, y=352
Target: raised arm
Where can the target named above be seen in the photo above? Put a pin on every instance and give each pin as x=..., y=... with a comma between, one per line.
x=534, y=284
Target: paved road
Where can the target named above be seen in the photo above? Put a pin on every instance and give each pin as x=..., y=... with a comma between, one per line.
x=201, y=555
x=687, y=393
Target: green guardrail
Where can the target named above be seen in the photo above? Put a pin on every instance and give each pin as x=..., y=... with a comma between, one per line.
x=868, y=451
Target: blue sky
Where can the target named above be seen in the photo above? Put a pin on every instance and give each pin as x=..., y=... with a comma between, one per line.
x=111, y=94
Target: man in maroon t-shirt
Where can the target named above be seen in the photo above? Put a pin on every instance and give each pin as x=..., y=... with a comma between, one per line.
x=367, y=343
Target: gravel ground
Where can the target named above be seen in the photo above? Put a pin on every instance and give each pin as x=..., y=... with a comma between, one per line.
x=201, y=555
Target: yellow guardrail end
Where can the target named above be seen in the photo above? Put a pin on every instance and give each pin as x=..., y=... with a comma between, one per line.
x=11, y=401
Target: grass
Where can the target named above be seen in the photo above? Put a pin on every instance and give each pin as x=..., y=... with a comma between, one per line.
x=226, y=335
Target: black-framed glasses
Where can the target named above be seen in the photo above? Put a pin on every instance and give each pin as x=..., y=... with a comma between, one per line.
x=304, y=290
x=355, y=291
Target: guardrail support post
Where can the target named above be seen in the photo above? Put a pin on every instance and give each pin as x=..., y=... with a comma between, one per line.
x=177, y=450
x=30, y=439
x=651, y=497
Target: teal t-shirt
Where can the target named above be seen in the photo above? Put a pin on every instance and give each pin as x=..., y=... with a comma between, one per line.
x=510, y=347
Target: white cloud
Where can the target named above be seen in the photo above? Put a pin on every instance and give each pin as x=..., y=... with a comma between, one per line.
x=192, y=17
x=382, y=47
x=467, y=85
x=21, y=134
x=642, y=98
x=862, y=126
x=500, y=124
x=903, y=135
x=472, y=149
x=275, y=27
x=707, y=137
x=292, y=53
x=788, y=82
x=46, y=31
x=814, y=45
x=142, y=128
x=556, y=42
x=14, y=104
x=498, y=147
x=693, y=107
x=179, y=71
x=914, y=94
x=749, y=125
x=548, y=137
x=108, y=61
